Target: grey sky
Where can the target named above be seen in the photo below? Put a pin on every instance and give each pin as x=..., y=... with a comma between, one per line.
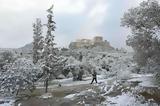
x=75, y=19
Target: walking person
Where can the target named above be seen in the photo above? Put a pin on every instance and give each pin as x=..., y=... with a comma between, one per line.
x=94, y=76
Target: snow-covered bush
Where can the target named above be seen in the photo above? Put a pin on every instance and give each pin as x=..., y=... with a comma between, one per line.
x=76, y=67
x=76, y=71
x=5, y=58
x=20, y=75
x=105, y=63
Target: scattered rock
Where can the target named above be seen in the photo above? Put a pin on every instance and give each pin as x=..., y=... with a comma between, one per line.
x=46, y=96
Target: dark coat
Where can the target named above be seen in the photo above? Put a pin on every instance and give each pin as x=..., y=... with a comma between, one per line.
x=94, y=75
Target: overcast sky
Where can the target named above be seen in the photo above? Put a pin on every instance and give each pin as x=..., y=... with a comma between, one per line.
x=75, y=19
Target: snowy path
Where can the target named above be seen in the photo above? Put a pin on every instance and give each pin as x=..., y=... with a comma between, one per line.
x=116, y=93
x=70, y=82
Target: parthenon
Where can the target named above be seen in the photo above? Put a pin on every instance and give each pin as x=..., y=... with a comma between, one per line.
x=90, y=43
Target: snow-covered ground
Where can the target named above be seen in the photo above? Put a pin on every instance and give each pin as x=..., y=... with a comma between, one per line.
x=130, y=95
x=145, y=80
x=108, y=91
x=116, y=92
x=117, y=87
x=126, y=99
x=6, y=102
x=70, y=82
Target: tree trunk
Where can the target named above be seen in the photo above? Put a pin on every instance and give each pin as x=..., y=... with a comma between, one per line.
x=17, y=92
x=46, y=90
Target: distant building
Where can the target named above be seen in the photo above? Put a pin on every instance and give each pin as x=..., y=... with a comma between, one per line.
x=97, y=41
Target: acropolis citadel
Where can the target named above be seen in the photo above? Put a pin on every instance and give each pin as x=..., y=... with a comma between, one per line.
x=97, y=41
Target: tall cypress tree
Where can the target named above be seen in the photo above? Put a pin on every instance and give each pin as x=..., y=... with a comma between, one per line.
x=52, y=63
x=37, y=40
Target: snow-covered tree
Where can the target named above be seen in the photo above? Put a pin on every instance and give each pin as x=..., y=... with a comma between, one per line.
x=144, y=22
x=51, y=63
x=20, y=75
x=144, y=18
x=37, y=40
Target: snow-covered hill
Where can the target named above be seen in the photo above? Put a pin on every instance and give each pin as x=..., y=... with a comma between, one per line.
x=27, y=48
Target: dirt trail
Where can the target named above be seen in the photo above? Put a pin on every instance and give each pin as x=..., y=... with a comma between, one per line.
x=65, y=90
x=58, y=93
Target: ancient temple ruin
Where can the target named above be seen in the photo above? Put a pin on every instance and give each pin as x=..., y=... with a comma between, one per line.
x=97, y=41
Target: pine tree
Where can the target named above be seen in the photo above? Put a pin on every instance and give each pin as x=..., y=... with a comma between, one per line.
x=38, y=41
